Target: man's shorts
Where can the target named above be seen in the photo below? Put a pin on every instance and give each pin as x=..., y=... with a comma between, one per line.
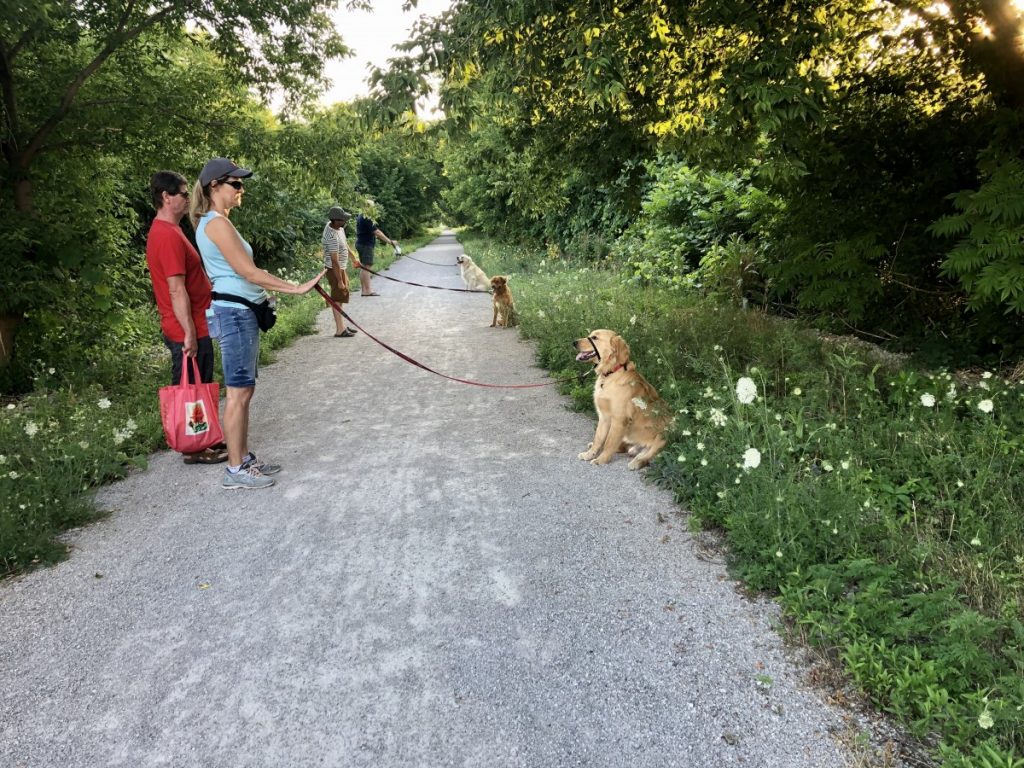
x=339, y=288
x=204, y=357
x=365, y=254
x=239, y=339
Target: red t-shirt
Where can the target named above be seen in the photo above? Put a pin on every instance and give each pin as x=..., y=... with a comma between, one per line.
x=169, y=253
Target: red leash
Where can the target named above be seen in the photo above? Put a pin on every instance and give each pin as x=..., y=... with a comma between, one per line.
x=421, y=285
x=335, y=305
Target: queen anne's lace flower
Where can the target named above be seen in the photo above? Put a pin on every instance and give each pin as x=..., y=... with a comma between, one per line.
x=746, y=390
x=928, y=400
x=103, y=403
x=985, y=406
x=717, y=417
x=31, y=428
x=751, y=458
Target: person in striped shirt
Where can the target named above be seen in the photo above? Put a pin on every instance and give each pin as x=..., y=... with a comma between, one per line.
x=336, y=255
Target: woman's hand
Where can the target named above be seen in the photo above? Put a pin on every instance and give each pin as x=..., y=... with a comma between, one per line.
x=307, y=286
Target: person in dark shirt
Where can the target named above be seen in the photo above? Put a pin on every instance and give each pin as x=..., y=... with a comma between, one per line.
x=367, y=235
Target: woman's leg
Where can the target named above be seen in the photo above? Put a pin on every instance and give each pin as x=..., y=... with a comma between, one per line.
x=236, y=423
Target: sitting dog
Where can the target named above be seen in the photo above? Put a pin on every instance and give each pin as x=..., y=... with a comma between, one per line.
x=474, y=277
x=630, y=414
x=505, y=314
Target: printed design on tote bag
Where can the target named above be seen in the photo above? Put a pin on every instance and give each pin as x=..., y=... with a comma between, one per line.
x=196, y=422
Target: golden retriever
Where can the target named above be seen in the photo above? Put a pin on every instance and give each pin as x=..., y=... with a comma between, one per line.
x=474, y=277
x=505, y=314
x=631, y=416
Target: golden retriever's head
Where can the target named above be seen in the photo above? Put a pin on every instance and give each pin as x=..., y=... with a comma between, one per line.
x=463, y=259
x=603, y=348
x=498, y=283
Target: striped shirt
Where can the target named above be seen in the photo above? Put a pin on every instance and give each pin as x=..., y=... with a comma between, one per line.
x=334, y=241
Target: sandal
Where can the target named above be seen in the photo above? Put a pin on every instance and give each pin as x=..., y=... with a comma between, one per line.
x=346, y=334
x=371, y=293
x=209, y=456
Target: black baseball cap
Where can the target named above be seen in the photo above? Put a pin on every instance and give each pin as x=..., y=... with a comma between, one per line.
x=220, y=167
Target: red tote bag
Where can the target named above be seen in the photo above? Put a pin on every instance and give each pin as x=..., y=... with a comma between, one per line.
x=189, y=413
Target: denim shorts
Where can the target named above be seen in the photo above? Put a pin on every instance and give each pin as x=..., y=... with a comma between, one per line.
x=236, y=330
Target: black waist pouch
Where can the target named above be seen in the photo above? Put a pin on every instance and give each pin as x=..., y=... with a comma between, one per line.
x=266, y=313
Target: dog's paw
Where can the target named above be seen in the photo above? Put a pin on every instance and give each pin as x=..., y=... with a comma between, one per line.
x=586, y=456
x=636, y=464
x=601, y=460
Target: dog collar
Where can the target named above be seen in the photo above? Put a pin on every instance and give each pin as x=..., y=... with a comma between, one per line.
x=617, y=368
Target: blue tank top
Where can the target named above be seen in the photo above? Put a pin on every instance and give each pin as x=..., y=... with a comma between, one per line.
x=223, y=278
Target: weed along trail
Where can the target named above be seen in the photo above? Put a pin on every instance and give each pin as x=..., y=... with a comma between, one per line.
x=434, y=580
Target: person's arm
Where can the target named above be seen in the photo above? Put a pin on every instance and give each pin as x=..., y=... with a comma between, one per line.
x=356, y=264
x=182, y=307
x=383, y=238
x=224, y=236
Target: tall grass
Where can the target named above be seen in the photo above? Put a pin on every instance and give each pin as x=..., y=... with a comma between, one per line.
x=882, y=504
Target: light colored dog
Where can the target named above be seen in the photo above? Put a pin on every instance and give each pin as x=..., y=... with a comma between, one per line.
x=505, y=314
x=474, y=277
x=631, y=416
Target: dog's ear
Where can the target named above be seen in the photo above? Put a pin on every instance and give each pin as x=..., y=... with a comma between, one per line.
x=620, y=350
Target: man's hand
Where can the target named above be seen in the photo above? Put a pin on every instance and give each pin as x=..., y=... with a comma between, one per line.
x=190, y=347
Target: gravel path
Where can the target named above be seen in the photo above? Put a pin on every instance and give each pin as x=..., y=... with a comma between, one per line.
x=435, y=580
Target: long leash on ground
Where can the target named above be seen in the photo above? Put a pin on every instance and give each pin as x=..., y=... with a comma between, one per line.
x=337, y=307
x=420, y=285
x=429, y=263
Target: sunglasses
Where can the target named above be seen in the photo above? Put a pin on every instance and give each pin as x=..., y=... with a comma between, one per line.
x=182, y=192
x=232, y=183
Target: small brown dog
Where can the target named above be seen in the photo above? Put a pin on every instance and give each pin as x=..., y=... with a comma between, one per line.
x=505, y=314
x=631, y=416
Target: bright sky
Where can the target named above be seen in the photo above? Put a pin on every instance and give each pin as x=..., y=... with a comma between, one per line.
x=372, y=35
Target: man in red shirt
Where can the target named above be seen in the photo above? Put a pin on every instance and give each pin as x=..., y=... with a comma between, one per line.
x=181, y=288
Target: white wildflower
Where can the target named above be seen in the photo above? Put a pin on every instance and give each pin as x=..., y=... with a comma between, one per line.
x=975, y=542
x=700, y=446
x=928, y=400
x=751, y=458
x=717, y=417
x=703, y=462
x=797, y=391
x=83, y=444
x=746, y=390
x=681, y=458
x=985, y=406
x=985, y=720
x=13, y=475
x=632, y=320
x=540, y=314
x=51, y=371
x=827, y=466
x=31, y=428
x=687, y=433
x=844, y=464
x=778, y=553
x=987, y=375
x=104, y=403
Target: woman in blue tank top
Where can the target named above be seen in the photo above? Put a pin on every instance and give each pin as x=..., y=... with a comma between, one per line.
x=228, y=261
